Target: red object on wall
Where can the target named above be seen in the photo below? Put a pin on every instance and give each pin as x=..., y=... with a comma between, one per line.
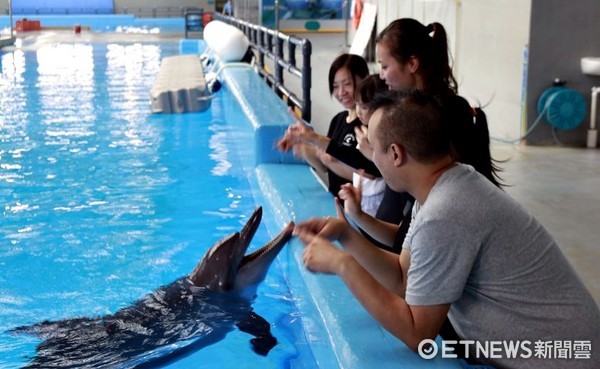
x=28, y=25
x=206, y=17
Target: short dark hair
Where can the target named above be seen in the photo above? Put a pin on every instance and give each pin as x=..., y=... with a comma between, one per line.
x=356, y=65
x=368, y=87
x=414, y=121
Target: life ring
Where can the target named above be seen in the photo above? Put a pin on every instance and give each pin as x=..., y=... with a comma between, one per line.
x=358, y=8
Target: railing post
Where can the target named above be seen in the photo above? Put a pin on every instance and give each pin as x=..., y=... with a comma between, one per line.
x=306, y=80
x=277, y=15
x=269, y=42
x=279, y=56
x=291, y=54
x=261, y=45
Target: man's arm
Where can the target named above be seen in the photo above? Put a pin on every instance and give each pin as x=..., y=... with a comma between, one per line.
x=411, y=324
x=380, y=230
x=383, y=265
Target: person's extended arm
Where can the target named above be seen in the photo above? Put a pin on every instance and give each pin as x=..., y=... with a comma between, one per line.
x=337, y=166
x=309, y=154
x=307, y=135
x=383, y=265
x=411, y=324
x=383, y=232
x=352, y=157
x=300, y=132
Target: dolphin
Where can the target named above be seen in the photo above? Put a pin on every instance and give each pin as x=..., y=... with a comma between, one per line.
x=175, y=320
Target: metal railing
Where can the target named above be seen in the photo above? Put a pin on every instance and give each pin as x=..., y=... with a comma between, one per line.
x=281, y=50
x=156, y=12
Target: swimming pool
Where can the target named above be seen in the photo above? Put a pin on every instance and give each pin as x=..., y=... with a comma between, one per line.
x=103, y=202
x=151, y=240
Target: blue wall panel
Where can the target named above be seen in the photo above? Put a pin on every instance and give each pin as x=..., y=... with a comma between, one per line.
x=62, y=7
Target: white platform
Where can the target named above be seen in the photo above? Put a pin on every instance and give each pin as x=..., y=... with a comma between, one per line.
x=180, y=86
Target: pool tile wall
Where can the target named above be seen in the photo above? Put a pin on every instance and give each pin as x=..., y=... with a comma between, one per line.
x=101, y=22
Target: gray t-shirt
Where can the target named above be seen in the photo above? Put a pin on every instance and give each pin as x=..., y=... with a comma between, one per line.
x=474, y=247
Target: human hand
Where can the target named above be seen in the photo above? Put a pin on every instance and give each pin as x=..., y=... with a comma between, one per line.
x=299, y=131
x=294, y=133
x=303, y=151
x=285, y=143
x=363, y=142
x=289, y=139
x=325, y=158
x=320, y=255
x=352, y=197
x=331, y=228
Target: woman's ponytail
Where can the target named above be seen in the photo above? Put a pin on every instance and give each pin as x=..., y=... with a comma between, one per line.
x=488, y=165
x=440, y=69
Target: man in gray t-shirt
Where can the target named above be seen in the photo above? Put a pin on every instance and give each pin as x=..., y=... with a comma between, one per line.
x=471, y=254
x=475, y=248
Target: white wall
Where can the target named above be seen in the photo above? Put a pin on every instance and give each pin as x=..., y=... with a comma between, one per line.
x=490, y=59
x=426, y=11
x=487, y=38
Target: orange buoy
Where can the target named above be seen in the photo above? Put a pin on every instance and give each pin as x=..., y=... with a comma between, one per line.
x=358, y=8
x=24, y=25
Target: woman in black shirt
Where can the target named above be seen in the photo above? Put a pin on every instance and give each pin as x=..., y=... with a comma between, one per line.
x=344, y=74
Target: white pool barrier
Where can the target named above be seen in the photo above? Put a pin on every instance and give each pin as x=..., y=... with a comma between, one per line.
x=180, y=86
x=226, y=41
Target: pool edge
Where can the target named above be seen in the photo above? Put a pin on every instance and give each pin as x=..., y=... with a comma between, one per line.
x=291, y=192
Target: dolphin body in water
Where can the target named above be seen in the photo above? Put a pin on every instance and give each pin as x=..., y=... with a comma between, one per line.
x=175, y=320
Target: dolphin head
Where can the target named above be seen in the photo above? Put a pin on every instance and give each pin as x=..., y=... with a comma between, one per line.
x=226, y=267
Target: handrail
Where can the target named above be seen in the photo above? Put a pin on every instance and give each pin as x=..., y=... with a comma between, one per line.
x=270, y=43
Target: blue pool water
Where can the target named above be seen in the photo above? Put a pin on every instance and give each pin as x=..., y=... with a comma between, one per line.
x=103, y=202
